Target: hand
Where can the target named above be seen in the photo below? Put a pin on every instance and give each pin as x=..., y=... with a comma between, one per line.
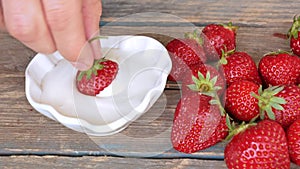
x=49, y=25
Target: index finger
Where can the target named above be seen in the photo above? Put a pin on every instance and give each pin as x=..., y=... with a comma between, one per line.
x=92, y=10
x=65, y=20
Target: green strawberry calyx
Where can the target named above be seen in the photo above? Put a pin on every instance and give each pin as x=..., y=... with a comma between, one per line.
x=235, y=129
x=279, y=51
x=293, y=31
x=207, y=86
x=223, y=60
x=267, y=101
x=195, y=35
x=230, y=26
x=93, y=70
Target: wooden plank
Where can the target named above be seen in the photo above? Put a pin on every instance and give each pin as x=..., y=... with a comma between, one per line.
x=50, y=162
x=14, y=55
x=256, y=12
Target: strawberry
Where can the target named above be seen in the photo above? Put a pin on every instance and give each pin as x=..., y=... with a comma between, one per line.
x=279, y=68
x=293, y=139
x=261, y=145
x=203, y=78
x=239, y=66
x=185, y=53
x=280, y=103
x=218, y=37
x=239, y=101
x=294, y=36
x=197, y=124
x=97, y=78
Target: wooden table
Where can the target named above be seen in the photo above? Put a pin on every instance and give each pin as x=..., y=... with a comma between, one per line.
x=30, y=140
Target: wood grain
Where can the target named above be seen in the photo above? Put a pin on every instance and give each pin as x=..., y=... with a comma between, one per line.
x=50, y=162
x=247, y=13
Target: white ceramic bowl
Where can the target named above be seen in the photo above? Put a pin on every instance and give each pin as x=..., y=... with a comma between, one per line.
x=144, y=65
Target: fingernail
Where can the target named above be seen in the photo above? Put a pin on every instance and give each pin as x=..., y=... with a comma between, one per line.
x=85, y=59
x=96, y=46
x=80, y=66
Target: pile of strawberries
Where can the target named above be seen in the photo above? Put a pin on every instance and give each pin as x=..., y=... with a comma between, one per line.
x=227, y=96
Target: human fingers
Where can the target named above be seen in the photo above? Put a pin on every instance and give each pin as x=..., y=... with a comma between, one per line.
x=65, y=21
x=92, y=10
x=24, y=20
x=2, y=25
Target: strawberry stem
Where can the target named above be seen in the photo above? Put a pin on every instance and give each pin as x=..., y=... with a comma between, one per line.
x=225, y=54
x=216, y=101
x=97, y=37
x=234, y=130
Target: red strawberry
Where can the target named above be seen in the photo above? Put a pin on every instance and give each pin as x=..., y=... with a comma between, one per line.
x=197, y=124
x=280, y=103
x=260, y=146
x=239, y=66
x=294, y=36
x=279, y=68
x=185, y=53
x=217, y=38
x=203, y=78
x=293, y=139
x=239, y=101
x=97, y=78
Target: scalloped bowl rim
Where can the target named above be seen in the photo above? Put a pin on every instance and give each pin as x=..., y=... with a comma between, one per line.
x=81, y=125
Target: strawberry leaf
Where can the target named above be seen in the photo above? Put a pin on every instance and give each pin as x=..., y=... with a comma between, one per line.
x=89, y=73
x=260, y=90
x=195, y=79
x=211, y=94
x=195, y=35
x=228, y=123
x=217, y=88
x=200, y=75
x=262, y=115
x=230, y=26
x=279, y=51
x=278, y=100
x=193, y=87
x=214, y=81
x=223, y=59
x=270, y=113
x=80, y=76
x=277, y=107
x=267, y=101
x=293, y=31
x=276, y=89
x=207, y=76
x=92, y=71
x=214, y=101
